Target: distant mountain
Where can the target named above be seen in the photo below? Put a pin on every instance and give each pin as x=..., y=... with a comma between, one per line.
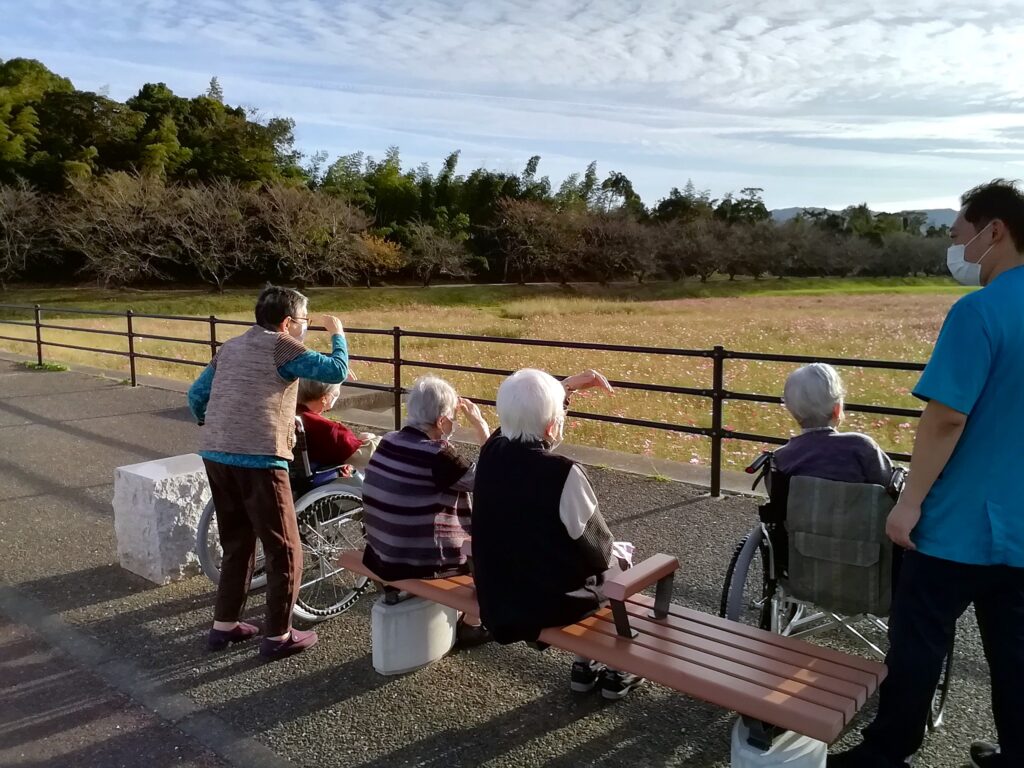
x=937, y=217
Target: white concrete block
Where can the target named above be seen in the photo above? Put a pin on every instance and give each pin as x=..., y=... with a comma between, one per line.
x=789, y=750
x=157, y=505
x=410, y=634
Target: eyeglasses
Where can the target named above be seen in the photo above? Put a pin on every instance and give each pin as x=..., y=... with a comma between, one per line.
x=301, y=320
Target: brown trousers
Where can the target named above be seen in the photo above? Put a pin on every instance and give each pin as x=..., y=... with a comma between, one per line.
x=251, y=504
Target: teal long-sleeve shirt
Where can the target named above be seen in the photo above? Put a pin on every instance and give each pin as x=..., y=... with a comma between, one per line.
x=332, y=368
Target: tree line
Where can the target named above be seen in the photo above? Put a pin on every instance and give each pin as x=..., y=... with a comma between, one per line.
x=168, y=188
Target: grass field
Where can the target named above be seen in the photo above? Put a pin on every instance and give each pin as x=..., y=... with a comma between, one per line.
x=881, y=319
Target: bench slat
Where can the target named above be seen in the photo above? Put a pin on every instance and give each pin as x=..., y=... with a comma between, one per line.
x=682, y=645
x=806, y=656
x=781, y=709
x=675, y=653
x=459, y=595
x=858, y=662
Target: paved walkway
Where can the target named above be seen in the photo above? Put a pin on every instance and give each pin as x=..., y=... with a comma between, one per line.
x=98, y=667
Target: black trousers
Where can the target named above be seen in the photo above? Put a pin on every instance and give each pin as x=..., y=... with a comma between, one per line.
x=931, y=595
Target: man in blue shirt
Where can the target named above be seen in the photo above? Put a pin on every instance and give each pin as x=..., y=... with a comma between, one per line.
x=246, y=397
x=961, y=515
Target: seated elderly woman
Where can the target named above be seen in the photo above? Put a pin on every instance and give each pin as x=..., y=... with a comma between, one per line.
x=814, y=396
x=540, y=543
x=416, y=489
x=329, y=443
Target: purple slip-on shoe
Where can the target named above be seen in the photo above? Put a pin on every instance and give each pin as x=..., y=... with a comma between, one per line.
x=218, y=639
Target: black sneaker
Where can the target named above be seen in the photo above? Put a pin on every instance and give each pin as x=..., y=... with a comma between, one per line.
x=584, y=676
x=615, y=684
x=986, y=755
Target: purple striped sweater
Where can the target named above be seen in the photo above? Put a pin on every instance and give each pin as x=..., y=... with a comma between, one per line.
x=416, y=507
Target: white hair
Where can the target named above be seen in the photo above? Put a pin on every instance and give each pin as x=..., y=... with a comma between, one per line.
x=812, y=393
x=430, y=398
x=528, y=401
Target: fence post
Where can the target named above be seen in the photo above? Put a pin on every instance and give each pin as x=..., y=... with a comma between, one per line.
x=213, y=336
x=398, y=376
x=131, y=348
x=717, y=406
x=39, y=336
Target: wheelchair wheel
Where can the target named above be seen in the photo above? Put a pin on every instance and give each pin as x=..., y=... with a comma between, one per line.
x=328, y=524
x=209, y=551
x=747, y=595
x=937, y=711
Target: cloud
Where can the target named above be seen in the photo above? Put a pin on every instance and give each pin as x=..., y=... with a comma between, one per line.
x=844, y=101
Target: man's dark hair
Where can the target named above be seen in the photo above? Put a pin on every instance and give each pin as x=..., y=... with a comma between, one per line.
x=999, y=199
x=277, y=303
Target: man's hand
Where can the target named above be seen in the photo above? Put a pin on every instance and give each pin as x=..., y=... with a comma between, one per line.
x=587, y=380
x=902, y=520
x=333, y=325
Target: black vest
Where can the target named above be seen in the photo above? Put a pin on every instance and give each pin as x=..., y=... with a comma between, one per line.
x=529, y=573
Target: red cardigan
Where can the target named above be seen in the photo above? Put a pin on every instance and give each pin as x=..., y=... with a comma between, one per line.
x=328, y=442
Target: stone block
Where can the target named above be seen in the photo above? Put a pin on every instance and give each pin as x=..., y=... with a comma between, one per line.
x=157, y=505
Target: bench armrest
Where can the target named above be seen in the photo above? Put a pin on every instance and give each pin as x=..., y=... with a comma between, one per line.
x=625, y=584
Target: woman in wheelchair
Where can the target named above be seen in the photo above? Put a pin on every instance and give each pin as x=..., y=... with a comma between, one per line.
x=328, y=443
x=814, y=397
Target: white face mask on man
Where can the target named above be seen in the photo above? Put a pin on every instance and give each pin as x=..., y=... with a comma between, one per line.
x=963, y=271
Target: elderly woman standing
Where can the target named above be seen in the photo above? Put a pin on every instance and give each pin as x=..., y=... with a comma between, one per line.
x=814, y=396
x=416, y=490
x=540, y=543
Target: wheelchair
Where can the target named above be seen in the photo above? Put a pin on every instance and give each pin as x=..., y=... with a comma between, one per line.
x=329, y=512
x=759, y=590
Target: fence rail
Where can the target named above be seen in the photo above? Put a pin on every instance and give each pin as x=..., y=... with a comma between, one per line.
x=716, y=393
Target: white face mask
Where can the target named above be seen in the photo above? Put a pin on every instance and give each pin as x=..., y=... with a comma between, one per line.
x=331, y=402
x=963, y=271
x=451, y=430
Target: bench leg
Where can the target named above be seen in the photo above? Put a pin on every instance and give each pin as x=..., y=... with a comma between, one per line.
x=622, y=620
x=663, y=597
x=761, y=735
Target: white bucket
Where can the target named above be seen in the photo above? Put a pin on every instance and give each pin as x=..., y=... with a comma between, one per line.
x=789, y=749
x=410, y=634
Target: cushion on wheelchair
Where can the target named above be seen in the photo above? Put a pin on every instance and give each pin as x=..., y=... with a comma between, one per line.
x=325, y=475
x=839, y=556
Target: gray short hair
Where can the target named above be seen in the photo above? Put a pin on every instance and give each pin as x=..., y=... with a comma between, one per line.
x=314, y=390
x=528, y=401
x=812, y=393
x=430, y=398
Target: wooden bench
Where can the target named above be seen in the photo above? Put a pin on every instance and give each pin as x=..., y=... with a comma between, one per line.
x=775, y=682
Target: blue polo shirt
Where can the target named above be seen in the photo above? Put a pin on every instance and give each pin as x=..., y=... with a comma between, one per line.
x=975, y=511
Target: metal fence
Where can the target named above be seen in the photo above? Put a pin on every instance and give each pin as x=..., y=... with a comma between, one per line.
x=716, y=393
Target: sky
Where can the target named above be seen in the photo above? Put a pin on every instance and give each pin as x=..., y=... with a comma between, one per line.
x=820, y=103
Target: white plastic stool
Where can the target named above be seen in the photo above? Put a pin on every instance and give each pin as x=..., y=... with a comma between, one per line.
x=789, y=749
x=410, y=634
